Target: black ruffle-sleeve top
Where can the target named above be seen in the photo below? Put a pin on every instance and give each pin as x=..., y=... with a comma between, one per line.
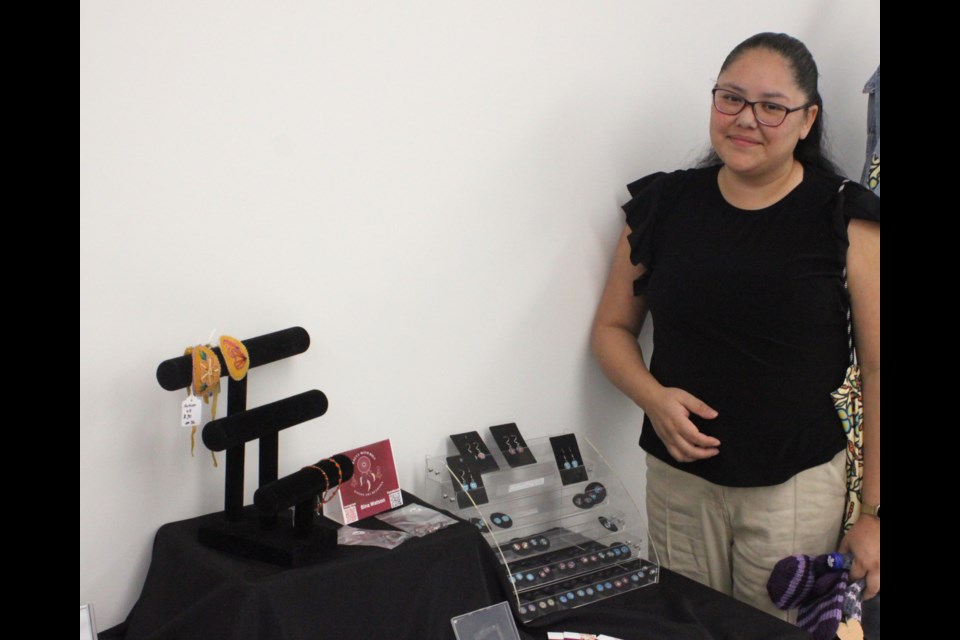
x=749, y=315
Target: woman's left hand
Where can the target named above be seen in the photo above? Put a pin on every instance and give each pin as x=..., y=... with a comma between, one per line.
x=863, y=541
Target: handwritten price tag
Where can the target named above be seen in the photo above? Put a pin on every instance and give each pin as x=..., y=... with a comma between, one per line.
x=190, y=411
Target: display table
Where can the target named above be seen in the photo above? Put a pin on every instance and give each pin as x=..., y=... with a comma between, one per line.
x=408, y=592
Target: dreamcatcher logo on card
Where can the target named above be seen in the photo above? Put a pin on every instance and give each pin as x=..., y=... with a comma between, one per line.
x=367, y=474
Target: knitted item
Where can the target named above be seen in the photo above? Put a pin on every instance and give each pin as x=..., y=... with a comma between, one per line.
x=853, y=601
x=810, y=584
x=793, y=578
x=822, y=613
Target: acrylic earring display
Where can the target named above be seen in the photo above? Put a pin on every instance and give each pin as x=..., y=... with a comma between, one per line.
x=567, y=534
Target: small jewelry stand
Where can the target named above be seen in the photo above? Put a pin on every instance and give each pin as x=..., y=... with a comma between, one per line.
x=269, y=536
x=563, y=525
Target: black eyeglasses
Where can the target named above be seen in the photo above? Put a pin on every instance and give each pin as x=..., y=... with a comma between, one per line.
x=769, y=114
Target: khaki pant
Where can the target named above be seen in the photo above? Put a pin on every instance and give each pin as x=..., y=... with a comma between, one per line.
x=729, y=538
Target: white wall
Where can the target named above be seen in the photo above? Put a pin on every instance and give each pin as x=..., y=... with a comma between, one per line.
x=430, y=188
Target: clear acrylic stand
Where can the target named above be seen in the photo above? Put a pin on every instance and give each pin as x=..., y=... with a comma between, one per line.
x=560, y=546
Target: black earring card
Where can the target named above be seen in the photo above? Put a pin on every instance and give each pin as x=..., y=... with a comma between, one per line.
x=566, y=452
x=512, y=445
x=466, y=479
x=471, y=446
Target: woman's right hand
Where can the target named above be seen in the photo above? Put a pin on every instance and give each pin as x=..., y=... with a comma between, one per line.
x=669, y=412
x=617, y=325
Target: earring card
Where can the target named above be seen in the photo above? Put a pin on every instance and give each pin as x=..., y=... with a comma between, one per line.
x=512, y=445
x=467, y=481
x=569, y=460
x=471, y=446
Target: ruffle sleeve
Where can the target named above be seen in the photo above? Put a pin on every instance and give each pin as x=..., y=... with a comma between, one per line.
x=853, y=202
x=643, y=209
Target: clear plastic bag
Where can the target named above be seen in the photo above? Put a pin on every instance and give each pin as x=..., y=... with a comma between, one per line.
x=416, y=519
x=369, y=537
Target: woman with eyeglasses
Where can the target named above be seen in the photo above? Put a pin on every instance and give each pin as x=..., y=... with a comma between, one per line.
x=740, y=264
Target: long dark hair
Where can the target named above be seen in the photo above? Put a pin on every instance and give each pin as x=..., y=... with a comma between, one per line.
x=812, y=149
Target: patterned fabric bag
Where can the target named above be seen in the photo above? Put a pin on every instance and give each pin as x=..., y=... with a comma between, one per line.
x=849, y=404
x=848, y=401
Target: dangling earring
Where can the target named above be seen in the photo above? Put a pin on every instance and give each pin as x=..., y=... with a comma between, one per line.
x=479, y=455
x=517, y=444
x=510, y=448
x=463, y=480
x=473, y=483
x=573, y=460
x=566, y=460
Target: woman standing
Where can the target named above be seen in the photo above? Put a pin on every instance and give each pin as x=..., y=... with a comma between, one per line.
x=741, y=266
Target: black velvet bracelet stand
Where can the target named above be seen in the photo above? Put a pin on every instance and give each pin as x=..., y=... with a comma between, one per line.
x=305, y=541
x=240, y=532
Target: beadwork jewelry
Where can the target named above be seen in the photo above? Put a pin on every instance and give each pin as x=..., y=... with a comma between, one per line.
x=608, y=523
x=205, y=384
x=516, y=444
x=597, y=491
x=321, y=497
x=478, y=454
x=504, y=521
x=236, y=356
x=336, y=490
x=480, y=524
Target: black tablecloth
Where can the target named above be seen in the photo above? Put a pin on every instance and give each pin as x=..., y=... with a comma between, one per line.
x=412, y=591
x=676, y=607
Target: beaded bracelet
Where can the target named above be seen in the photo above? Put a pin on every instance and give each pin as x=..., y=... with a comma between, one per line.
x=321, y=497
x=339, y=478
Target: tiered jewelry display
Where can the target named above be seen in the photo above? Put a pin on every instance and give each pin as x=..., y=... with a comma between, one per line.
x=564, y=527
x=261, y=534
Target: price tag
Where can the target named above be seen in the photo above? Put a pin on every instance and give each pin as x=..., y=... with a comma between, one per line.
x=190, y=411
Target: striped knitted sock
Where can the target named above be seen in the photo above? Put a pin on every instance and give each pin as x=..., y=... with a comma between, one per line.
x=808, y=583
